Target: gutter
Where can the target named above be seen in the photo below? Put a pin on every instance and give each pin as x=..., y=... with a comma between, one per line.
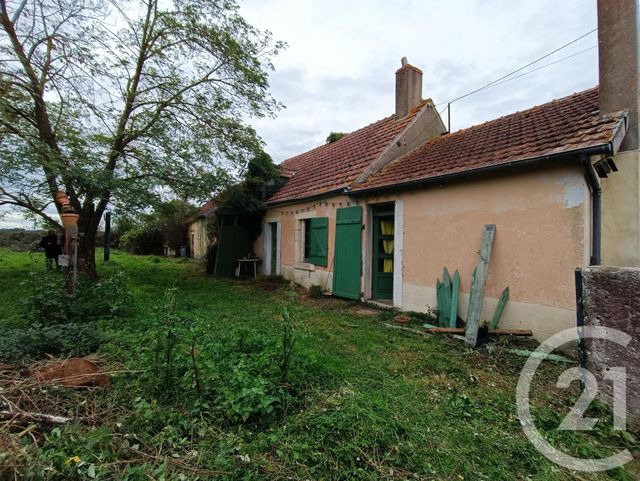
x=596, y=208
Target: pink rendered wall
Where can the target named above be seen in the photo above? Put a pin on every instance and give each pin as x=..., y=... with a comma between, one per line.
x=289, y=216
x=542, y=233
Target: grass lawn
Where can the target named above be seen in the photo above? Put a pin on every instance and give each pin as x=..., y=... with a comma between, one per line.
x=359, y=401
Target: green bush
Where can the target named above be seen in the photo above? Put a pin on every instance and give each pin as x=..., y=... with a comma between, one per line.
x=55, y=324
x=20, y=240
x=144, y=239
x=46, y=301
x=35, y=342
x=242, y=375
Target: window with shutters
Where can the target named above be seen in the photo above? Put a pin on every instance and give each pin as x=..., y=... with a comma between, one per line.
x=315, y=240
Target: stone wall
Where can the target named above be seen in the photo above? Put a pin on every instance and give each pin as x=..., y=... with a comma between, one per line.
x=611, y=299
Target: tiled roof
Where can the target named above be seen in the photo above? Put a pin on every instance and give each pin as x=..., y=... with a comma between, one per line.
x=207, y=209
x=336, y=165
x=563, y=125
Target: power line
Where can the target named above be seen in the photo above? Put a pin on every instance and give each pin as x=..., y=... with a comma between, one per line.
x=545, y=66
x=490, y=84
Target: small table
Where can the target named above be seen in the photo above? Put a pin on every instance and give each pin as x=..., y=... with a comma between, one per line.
x=245, y=261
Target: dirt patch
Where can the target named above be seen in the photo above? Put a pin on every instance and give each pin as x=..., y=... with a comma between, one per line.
x=74, y=372
x=365, y=311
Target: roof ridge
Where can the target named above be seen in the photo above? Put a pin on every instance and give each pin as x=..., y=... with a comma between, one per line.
x=411, y=113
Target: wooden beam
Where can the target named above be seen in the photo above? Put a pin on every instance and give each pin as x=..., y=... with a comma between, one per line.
x=498, y=332
x=476, y=297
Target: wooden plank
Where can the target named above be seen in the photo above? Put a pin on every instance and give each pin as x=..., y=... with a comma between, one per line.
x=446, y=330
x=455, y=288
x=446, y=304
x=511, y=332
x=476, y=297
x=499, y=308
x=496, y=332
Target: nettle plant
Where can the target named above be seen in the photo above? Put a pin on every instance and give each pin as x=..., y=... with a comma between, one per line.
x=241, y=374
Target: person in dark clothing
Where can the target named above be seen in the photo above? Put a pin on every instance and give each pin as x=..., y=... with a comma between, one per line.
x=51, y=248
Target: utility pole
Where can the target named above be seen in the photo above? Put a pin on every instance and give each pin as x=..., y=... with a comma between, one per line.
x=107, y=235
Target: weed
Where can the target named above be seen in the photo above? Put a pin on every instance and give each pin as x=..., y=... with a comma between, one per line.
x=315, y=291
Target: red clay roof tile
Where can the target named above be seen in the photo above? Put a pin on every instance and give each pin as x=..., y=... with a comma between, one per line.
x=563, y=125
x=336, y=165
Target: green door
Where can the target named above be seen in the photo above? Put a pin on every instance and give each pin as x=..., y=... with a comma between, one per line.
x=347, y=257
x=274, y=248
x=382, y=265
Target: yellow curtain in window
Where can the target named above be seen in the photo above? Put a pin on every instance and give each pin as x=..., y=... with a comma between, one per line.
x=388, y=265
x=386, y=228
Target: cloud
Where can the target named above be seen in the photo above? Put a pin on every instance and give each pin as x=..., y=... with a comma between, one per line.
x=338, y=73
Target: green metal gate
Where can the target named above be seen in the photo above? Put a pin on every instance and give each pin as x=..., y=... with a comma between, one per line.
x=347, y=257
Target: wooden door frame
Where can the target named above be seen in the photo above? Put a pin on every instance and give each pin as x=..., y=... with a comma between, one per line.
x=266, y=237
x=385, y=211
x=398, y=252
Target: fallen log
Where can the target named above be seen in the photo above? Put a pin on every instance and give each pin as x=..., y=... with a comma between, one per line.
x=42, y=418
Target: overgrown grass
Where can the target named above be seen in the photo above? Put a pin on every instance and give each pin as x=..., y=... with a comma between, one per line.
x=363, y=401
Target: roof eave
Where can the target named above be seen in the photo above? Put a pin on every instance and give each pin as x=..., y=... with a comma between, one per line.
x=607, y=149
x=619, y=131
x=297, y=200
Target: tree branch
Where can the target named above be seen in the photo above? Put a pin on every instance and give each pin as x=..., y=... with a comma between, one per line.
x=26, y=203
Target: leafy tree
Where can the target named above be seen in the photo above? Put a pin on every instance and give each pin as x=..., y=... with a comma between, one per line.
x=334, y=136
x=172, y=219
x=149, y=233
x=126, y=103
x=247, y=199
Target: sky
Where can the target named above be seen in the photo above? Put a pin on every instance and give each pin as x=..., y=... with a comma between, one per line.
x=338, y=72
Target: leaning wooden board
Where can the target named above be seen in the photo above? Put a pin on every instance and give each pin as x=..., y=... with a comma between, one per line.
x=476, y=297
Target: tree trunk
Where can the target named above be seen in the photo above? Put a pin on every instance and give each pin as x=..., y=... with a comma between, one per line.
x=87, y=253
x=87, y=246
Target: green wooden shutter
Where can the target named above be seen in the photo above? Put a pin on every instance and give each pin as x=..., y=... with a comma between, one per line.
x=347, y=258
x=319, y=238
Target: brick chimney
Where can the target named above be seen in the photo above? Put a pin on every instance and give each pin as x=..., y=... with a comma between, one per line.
x=618, y=59
x=408, y=88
